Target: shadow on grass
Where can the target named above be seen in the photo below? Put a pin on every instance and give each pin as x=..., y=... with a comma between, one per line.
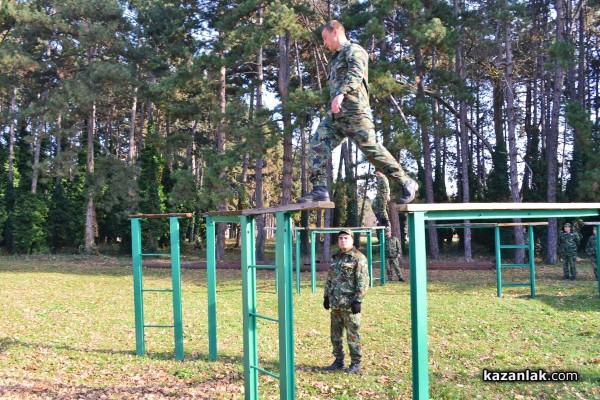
x=580, y=302
x=6, y=343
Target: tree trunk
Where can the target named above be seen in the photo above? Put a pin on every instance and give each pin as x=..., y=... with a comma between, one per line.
x=464, y=137
x=131, y=154
x=90, y=213
x=552, y=136
x=434, y=250
x=220, y=150
x=512, y=142
x=258, y=167
x=11, y=133
x=37, y=144
x=283, y=82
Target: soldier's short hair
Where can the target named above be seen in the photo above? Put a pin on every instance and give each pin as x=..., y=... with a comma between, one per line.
x=334, y=24
x=567, y=225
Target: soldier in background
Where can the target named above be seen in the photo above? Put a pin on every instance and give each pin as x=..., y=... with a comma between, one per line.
x=380, y=204
x=345, y=288
x=349, y=116
x=392, y=256
x=590, y=250
x=567, y=248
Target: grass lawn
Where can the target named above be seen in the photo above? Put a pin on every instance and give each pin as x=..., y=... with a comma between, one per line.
x=67, y=332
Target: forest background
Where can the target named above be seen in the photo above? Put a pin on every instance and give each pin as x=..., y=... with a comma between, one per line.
x=109, y=108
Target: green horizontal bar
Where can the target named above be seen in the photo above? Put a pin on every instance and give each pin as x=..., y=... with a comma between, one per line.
x=158, y=326
x=262, y=266
x=156, y=254
x=264, y=317
x=336, y=230
x=514, y=246
x=508, y=214
x=264, y=371
x=224, y=218
x=515, y=284
x=157, y=290
x=514, y=265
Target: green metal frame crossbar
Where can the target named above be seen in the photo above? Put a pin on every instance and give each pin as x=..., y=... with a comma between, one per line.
x=313, y=251
x=418, y=215
x=138, y=290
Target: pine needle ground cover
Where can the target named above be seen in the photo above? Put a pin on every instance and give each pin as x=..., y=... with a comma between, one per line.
x=67, y=332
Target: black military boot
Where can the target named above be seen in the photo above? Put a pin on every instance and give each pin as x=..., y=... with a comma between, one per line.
x=337, y=364
x=410, y=188
x=354, y=368
x=319, y=193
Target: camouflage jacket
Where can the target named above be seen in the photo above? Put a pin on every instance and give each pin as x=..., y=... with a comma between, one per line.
x=349, y=74
x=392, y=247
x=383, y=191
x=347, y=279
x=568, y=243
x=590, y=248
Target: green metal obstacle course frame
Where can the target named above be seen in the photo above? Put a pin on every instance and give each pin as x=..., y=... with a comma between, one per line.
x=418, y=215
x=138, y=289
x=283, y=266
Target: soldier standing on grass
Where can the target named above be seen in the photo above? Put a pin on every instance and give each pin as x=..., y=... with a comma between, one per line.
x=380, y=204
x=350, y=117
x=345, y=288
x=392, y=256
x=567, y=248
x=590, y=250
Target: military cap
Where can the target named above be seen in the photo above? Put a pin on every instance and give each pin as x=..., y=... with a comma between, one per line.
x=345, y=231
x=567, y=225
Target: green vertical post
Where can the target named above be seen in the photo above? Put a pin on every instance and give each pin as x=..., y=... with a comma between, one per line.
x=498, y=251
x=531, y=260
x=418, y=304
x=283, y=249
x=211, y=282
x=136, y=255
x=249, y=308
x=313, y=263
x=298, y=275
x=598, y=258
x=370, y=257
x=383, y=275
x=176, y=286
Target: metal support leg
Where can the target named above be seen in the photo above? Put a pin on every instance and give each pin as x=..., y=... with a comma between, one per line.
x=498, y=251
x=136, y=255
x=370, y=257
x=531, y=260
x=383, y=275
x=283, y=258
x=418, y=305
x=313, y=264
x=298, y=274
x=176, y=285
x=211, y=280
x=249, y=308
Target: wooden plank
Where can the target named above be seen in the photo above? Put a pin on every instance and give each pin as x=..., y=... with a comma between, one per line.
x=315, y=205
x=225, y=213
x=495, y=206
x=154, y=216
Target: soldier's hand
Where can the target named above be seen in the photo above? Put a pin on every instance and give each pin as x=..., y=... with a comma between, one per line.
x=356, y=307
x=326, y=302
x=336, y=103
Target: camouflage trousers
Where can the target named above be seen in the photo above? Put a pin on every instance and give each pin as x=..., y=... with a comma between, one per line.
x=569, y=266
x=340, y=320
x=594, y=266
x=381, y=213
x=360, y=129
x=391, y=265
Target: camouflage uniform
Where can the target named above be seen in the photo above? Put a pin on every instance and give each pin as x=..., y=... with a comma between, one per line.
x=567, y=248
x=590, y=250
x=381, y=201
x=349, y=74
x=347, y=281
x=392, y=251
